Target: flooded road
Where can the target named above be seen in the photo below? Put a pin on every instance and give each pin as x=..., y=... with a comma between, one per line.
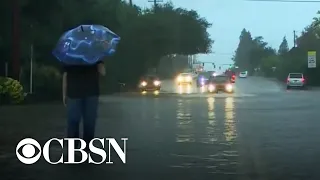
x=262, y=132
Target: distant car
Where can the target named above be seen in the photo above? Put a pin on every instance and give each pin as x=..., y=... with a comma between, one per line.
x=296, y=80
x=220, y=83
x=233, y=78
x=203, y=78
x=243, y=74
x=185, y=78
x=231, y=75
x=150, y=83
x=212, y=73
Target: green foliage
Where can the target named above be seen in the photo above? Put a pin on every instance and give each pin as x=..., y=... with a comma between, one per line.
x=46, y=81
x=283, y=48
x=146, y=36
x=251, y=52
x=242, y=53
x=268, y=63
x=285, y=61
x=11, y=91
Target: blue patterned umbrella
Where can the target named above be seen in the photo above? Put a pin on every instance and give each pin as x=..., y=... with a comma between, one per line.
x=86, y=44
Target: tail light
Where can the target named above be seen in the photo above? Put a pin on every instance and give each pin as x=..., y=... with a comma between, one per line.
x=288, y=80
x=303, y=80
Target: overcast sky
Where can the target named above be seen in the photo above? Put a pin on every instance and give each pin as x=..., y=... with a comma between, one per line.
x=272, y=20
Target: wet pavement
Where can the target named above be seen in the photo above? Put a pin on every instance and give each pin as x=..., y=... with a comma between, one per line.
x=262, y=132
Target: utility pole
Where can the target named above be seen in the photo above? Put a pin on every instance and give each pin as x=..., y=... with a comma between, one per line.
x=31, y=59
x=16, y=39
x=155, y=3
x=130, y=2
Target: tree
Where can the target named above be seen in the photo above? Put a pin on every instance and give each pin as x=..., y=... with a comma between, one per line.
x=268, y=63
x=260, y=50
x=241, y=57
x=146, y=36
x=283, y=48
x=286, y=61
x=251, y=51
x=161, y=34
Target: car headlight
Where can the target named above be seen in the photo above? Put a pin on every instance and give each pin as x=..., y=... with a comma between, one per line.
x=179, y=78
x=211, y=87
x=229, y=87
x=143, y=83
x=156, y=83
x=188, y=78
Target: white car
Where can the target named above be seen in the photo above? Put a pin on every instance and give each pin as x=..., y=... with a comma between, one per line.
x=296, y=80
x=184, y=78
x=243, y=74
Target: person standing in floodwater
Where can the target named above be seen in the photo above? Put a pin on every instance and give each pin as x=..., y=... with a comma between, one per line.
x=81, y=90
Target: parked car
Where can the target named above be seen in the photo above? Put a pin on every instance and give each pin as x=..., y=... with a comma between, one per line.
x=296, y=80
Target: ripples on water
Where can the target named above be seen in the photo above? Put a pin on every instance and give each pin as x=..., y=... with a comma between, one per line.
x=230, y=129
x=184, y=121
x=208, y=143
x=184, y=89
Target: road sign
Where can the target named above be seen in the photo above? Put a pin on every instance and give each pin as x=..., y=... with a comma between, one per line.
x=312, y=60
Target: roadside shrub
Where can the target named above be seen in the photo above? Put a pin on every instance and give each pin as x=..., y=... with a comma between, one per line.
x=11, y=91
x=47, y=83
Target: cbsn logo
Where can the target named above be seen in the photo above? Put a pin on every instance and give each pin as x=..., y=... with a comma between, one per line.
x=29, y=155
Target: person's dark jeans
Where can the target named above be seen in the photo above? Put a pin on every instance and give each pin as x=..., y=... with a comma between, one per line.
x=87, y=109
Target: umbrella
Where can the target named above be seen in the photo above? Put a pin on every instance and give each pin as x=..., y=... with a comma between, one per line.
x=86, y=44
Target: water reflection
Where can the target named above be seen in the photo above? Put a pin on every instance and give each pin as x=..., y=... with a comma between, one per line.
x=211, y=114
x=156, y=112
x=153, y=92
x=211, y=121
x=230, y=130
x=143, y=108
x=184, y=122
x=185, y=89
x=215, y=151
x=203, y=89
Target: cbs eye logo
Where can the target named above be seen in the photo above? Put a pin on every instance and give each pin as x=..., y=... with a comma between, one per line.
x=27, y=149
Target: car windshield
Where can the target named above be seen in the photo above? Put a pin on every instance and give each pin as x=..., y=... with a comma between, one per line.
x=204, y=74
x=243, y=72
x=219, y=79
x=151, y=78
x=295, y=75
x=185, y=74
x=230, y=73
